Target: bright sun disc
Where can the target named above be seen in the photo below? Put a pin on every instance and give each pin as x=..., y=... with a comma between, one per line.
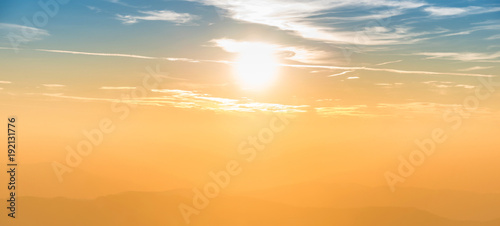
x=256, y=66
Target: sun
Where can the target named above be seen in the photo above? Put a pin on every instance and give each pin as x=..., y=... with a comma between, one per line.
x=256, y=66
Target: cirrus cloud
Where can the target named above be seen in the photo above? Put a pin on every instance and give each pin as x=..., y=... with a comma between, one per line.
x=158, y=15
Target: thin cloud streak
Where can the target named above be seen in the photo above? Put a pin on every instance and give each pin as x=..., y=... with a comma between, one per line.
x=97, y=54
x=117, y=88
x=193, y=100
x=386, y=70
x=158, y=15
x=459, y=11
x=283, y=65
x=475, y=68
x=53, y=85
x=24, y=33
x=388, y=62
x=464, y=56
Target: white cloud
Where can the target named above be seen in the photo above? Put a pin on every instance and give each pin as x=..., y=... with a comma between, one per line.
x=5, y=82
x=160, y=15
x=53, y=85
x=95, y=9
x=389, y=62
x=328, y=67
x=96, y=54
x=295, y=53
x=117, y=88
x=456, y=11
x=465, y=56
x=493, y=37
x=465, y=86
x=475, y=68
x=22, y=33
x=339, y=111
x=390, y=70
x=296, y=16
x=338, y=74
x=194, y=100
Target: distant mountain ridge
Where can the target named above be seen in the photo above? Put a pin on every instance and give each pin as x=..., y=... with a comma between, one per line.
x=161, y=208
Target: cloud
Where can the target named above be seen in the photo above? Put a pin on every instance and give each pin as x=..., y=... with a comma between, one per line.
x=329, y=67
x=95, y=9
x=22, y=33
x=97, y=54
x=389, y=62
x=194, y=100
x=493, y=37
x=117, y=88
x=475, y=68
x=158, y=15
x=53, y=85
x=418, y=107
x=295, y=53
x=338, y=111
x=296, y=16
x=116, y=55
x=465, y=56
x=456, y=11
x=465, y=86
x=397, y=71
x=5, y=82
x=338, y=74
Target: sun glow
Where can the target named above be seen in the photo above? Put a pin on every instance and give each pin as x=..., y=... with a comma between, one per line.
x=256, y=66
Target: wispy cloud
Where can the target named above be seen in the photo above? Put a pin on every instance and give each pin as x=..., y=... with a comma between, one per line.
x=475, y=68
x=97, y=54
x=389, y=62
x=338, y=74
x=118, y=88
x=194, y=100
x=295, y=53
x=397, y=71
x=296, y=16
x=465, y=56
x=95, y=9
x=5, y=82
x=459, y=11
x=158, y=15
x=117, y=55
x=53, y=85
x=340, y=111
x=329, y=67
x=493, y=37
x=22, y=33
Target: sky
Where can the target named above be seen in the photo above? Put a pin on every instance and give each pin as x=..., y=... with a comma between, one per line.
x=347, y=46
x=200, y=75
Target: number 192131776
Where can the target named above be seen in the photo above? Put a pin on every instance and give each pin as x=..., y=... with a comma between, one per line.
x=11, y=138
